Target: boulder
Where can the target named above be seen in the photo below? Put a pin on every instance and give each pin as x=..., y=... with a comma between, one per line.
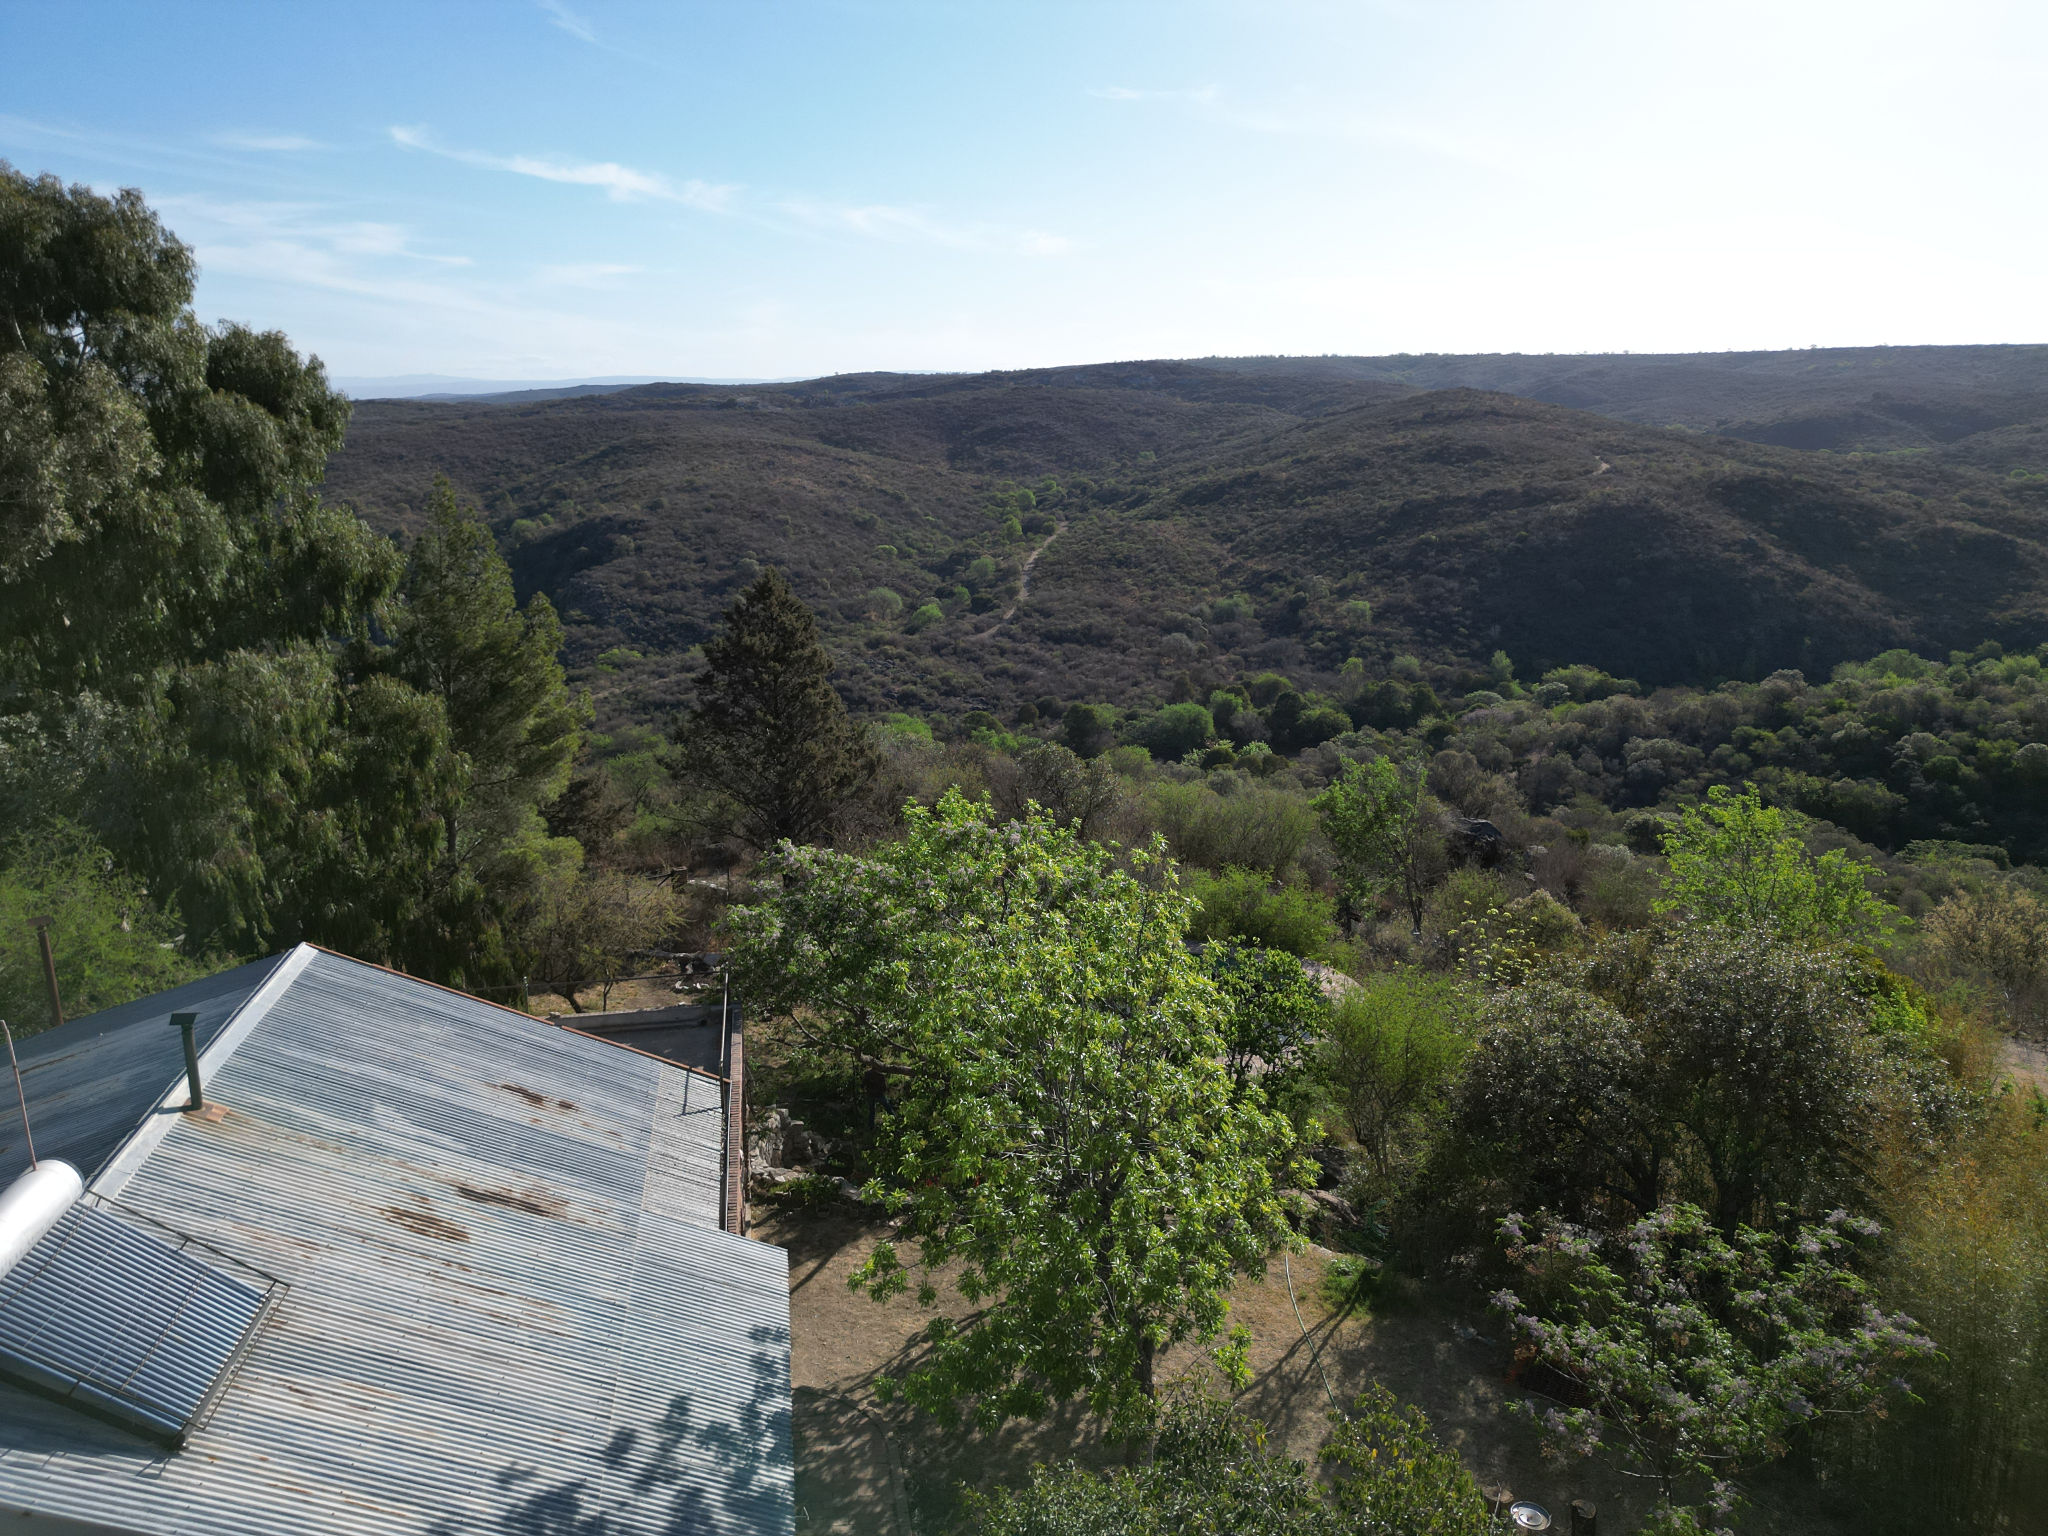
x=768, y=1137
x=803, y=1147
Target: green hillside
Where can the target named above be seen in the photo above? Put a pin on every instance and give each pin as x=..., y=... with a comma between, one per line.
x=1205, y=518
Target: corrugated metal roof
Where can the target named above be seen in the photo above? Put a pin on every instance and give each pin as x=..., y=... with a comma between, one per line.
x=90, y=1080
x=506, y=1310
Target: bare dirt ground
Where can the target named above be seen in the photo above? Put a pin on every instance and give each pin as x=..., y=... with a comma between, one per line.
x=659, y=992
x=1450, y=1364
x=2027, y=1061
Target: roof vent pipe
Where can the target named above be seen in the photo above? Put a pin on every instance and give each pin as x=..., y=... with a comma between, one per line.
x=185, y=1022
x=32, y=1204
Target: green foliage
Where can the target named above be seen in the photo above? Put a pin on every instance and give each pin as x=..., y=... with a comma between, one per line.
x=1727, y=1069
x=156, y=477
x=1702, y=1354
x=1272, y=1006
x=1968, y=1257
x=1212, y=1474
x=1254, y=827
x=169, y=595
x=583, y=928
x=1381, y=824
x=458, y=636
x=1243, y=904
x=923, y=618
x=1088, y=730
x=1736, y=861
x=1074, y=792
x=1174, y=731
x=1393, y=1477
x=1061, y=1107
x=1389, y=1060
x=768, y=732
x=1999, y=933
x=905, y=727
x=111, y=942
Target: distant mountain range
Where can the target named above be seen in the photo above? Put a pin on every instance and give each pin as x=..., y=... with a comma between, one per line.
x=447, y=386
x=1676, y=519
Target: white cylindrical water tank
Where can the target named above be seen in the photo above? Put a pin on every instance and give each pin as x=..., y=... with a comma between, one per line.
x=32, y=1204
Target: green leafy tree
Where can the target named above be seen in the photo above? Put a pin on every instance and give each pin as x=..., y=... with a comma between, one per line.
x=1738, y=862
x=1389, y=1058
x=1066, y=1142
x=1381, y=823
x=1732, y=1070
x=1075, y=792
x=111, y=942
x=1213, y=1474
x=1968, y=1257
x=1273, y=1007
x=1174, y=731
x=769, y=731
x=1088, y=730
x=1702, y=1354
x=157, y=477
x=1999, y=932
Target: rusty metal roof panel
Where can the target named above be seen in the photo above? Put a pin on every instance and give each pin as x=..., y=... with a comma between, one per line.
x=89, y=1081
x=503, y=1311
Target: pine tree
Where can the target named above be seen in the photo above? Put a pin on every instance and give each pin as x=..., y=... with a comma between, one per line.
x=460, y=636
x=769, y=731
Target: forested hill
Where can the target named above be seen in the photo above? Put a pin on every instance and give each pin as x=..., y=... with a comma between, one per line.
x=1204, y=518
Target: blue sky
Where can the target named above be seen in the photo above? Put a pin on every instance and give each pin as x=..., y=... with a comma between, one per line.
x=770, y=188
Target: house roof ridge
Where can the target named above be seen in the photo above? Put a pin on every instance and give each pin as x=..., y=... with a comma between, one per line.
x=157, y=1122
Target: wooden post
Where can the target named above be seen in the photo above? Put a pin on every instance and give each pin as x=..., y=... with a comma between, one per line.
x=42, y=927
x=1585, y=1518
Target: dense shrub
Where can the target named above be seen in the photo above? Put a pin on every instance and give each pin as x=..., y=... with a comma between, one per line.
x=1734, y=1071
x=1243, y=904
x=1174, y=731
x=1255, y=826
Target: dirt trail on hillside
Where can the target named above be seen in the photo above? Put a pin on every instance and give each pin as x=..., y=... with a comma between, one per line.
x=1023, y=581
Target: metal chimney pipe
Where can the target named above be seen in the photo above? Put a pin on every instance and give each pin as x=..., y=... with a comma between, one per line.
x=185, y=1022
x=42, y=928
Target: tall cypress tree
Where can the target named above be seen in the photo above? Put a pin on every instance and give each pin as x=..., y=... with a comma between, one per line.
x=769, y=730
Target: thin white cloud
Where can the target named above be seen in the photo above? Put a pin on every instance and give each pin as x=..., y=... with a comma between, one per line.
x=576, y=26
x=229, y=234
x=268, y=143
x=621, y=183
x=882, y=221
x=873, y=221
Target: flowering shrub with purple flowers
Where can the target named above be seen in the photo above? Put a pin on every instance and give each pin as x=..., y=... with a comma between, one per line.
x=1700, y=1354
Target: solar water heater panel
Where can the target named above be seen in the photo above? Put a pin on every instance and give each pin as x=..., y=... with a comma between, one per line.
x=115, y=1319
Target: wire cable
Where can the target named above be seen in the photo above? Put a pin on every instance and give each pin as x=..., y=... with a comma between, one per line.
x=1314, y=1350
